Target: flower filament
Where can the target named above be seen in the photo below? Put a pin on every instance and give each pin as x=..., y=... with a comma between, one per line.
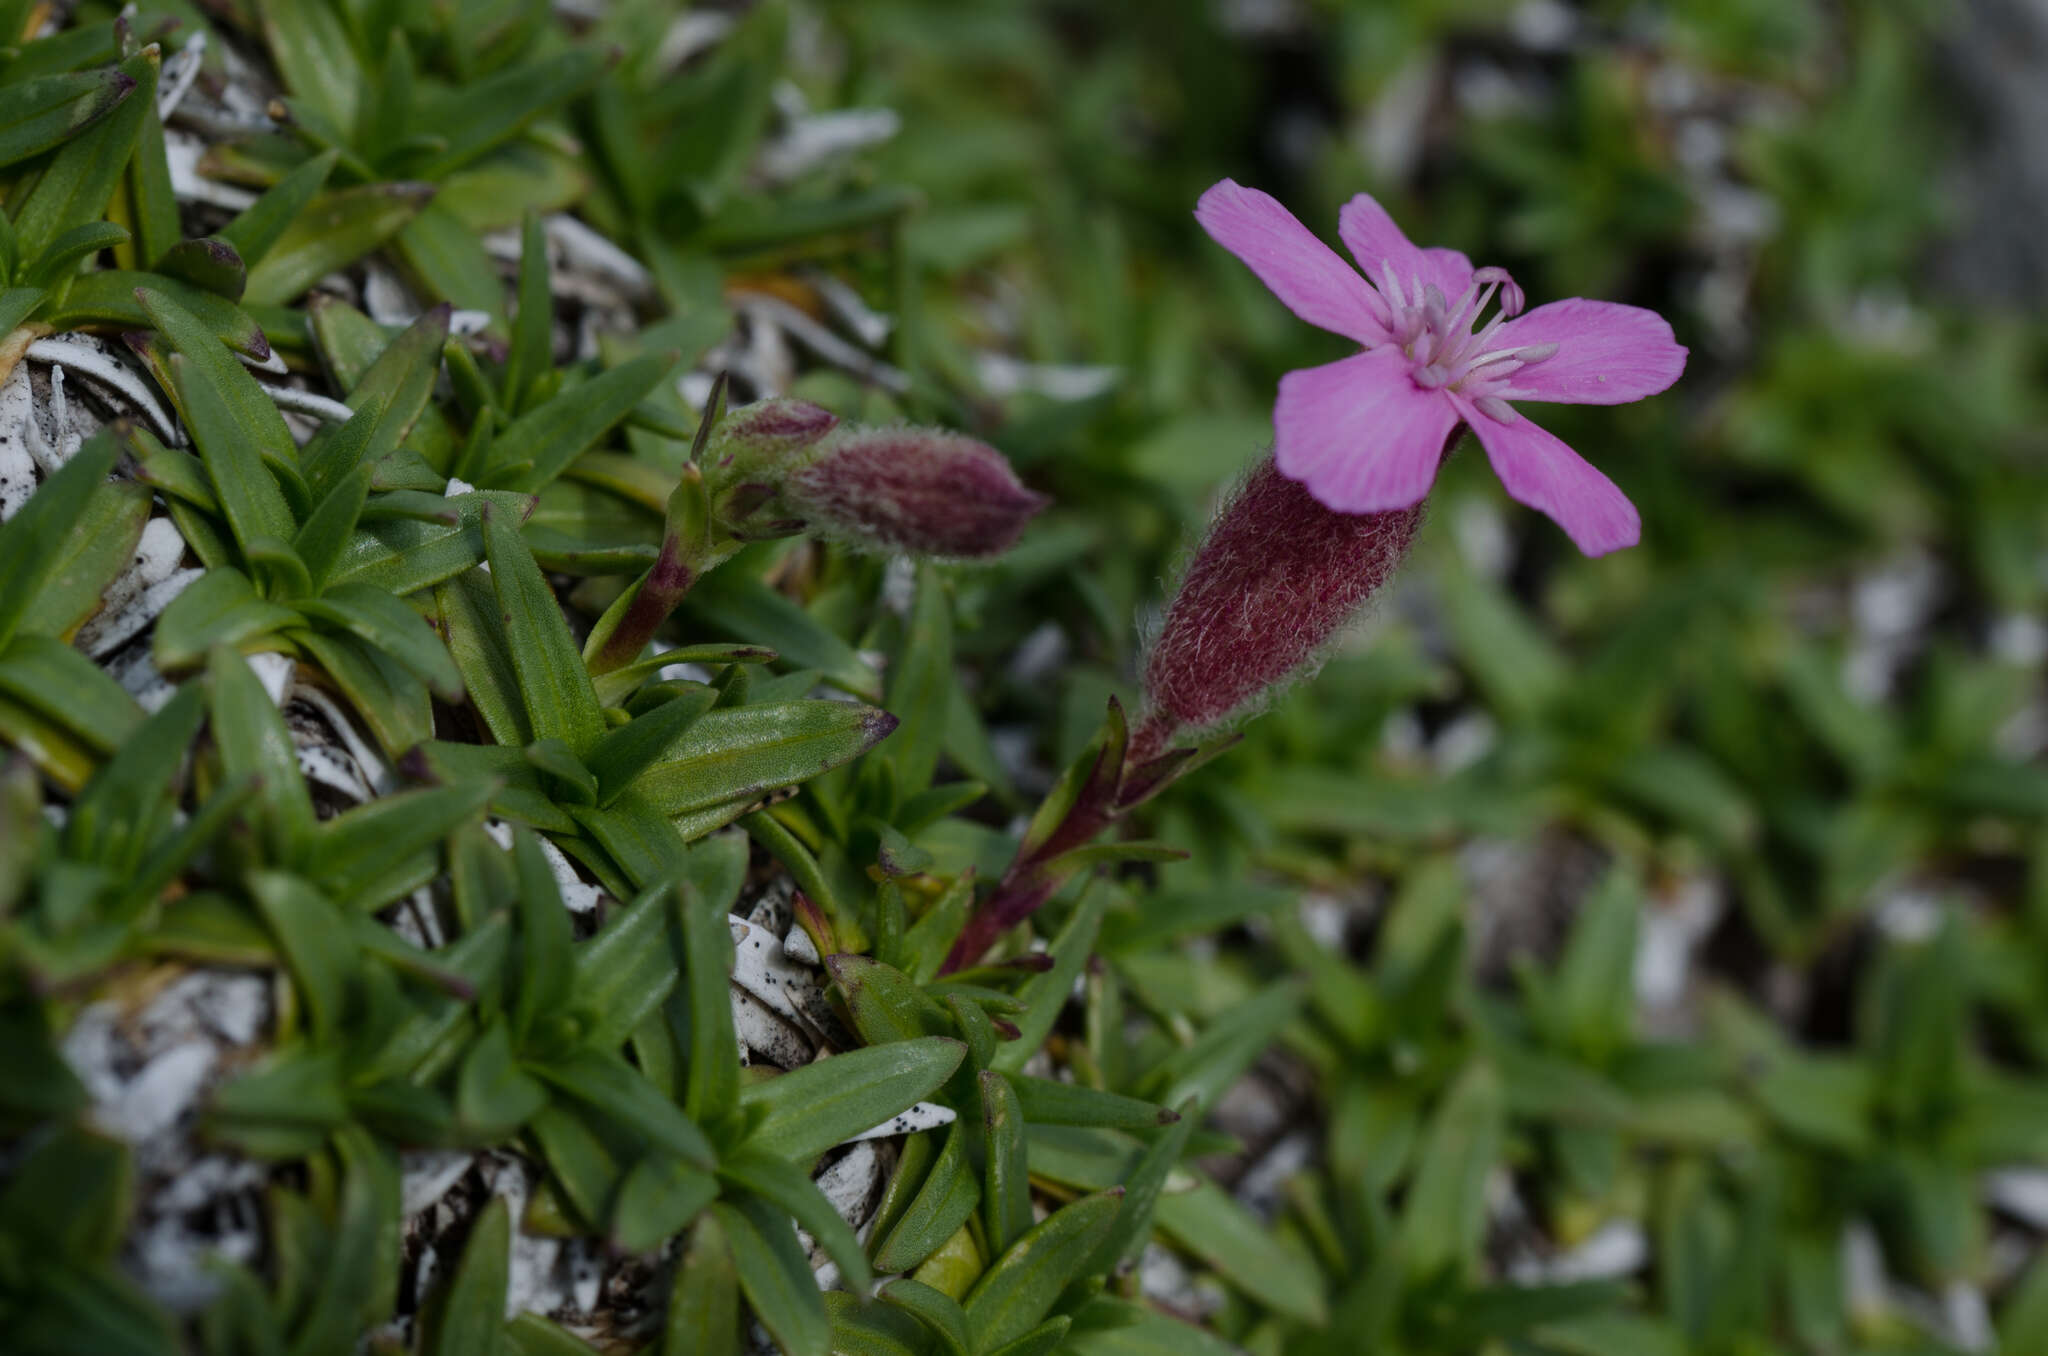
x=1443, y=350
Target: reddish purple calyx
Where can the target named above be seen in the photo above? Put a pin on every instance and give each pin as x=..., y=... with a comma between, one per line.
x=914, y=490
x=1275, y=581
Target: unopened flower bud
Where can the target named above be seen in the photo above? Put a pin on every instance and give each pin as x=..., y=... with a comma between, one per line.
x=1274, y=582
x=914, y=490
x=751, y=455
x=768, y=431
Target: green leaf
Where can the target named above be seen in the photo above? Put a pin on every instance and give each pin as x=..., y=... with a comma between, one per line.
x=37, y=114
x=236, y=426
x=776, y=1276
x=15, y=305
x=1208, y=1223
x=316, y=944
x=62, y=256
x=864, y=1328
x=554, y=686
x=33, y=544
x=802, y=1113
x=703, y=1317
x=1220, y=1055
x=1046, y=1101
x=494, y=1097
x=444, y=259
x=657, y=1200
x=540, y=445
x=921, y=683
x=465, y=1314
x=1046, y=994
x=1042, y=1340
x=533, y=327
x=107, y=299
x=70, y=1195
x=1006, y=1190
x=80, y=181
x=51, y=679
x=626, y=752
x=629, y=968
x=335, y=229
x=1142, y=1188
x=748, y=751
x=351, y=850
x=322, y=538
x=487, y=112
x=610, y=1086
x=1017, y=1292
x=789, y=1188
x=544, y=966
x=714, y=1079
x=532, y=1335
x=393, y=627
x=942, y=1204
x=883, y=1002
x=211, y=264
x=939, y=1312
x=283, y=1108
x=313, y=54
x=220, y=607
x=254, y=742
x=394, y=704
x=257, y=230
x=738, y=604
x=1444, y=1219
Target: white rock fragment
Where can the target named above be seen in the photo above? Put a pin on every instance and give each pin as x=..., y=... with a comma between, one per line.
x=140, y=593
x=321, y=407
x=814, y=140
x=92, y=358
x=921, y=1116
x=761, y=968
x=773, y=312
x=183, y=151
x=1001, y=376
x=274, y=671
x=798, y=946
x=778, y=1041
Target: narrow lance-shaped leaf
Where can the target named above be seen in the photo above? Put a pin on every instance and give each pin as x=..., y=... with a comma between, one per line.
x=87, y=168
x=802, y=1113
x=463, y=1317
x=544, y=967
x=703, y=1316
x=775, y=1276
x=39, y=113
x=539, y=446
x=32, y=542
x=1015, y=1294
x=559, y=701
x=263, y=221
x=750, y=750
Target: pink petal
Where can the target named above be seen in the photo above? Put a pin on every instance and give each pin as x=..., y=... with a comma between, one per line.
x=1301, y=270
x=1537, y=469
x=1373, y=238
x=1359, y=434
x=1607, y=354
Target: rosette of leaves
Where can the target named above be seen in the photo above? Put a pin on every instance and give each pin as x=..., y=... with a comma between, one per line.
x=621, y=787
x=105, y=186
x=429, y=114
x=297, y=552
x=673, y=148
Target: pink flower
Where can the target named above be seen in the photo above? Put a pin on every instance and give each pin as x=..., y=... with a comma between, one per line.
x=1365, y=434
